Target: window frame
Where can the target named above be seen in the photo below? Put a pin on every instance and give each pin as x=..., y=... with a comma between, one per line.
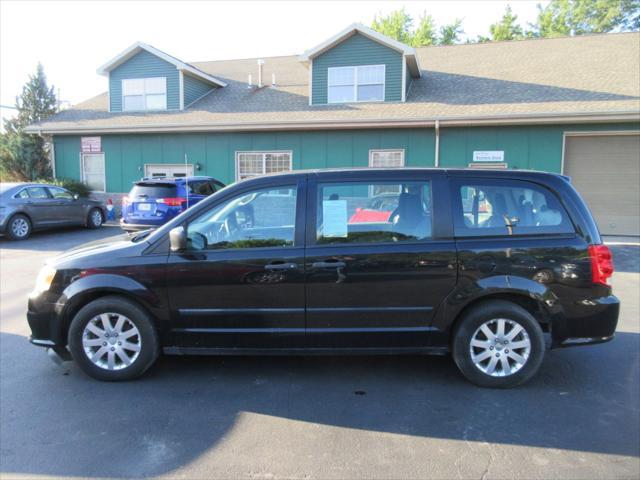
x=144, y=94
x=264, y=153
x=52, y=188
x=314, y=196
x=356, y=84
x=462, y=232
x=373, y=151
x=104, y=170
x=299, y=183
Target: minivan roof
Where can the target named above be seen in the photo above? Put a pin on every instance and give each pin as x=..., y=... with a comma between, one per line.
x=480, y=172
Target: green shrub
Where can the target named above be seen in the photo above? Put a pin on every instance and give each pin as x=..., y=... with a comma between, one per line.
x=74, y=186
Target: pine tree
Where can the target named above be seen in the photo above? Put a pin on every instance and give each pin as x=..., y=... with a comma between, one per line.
x=507, y=28
x=25, y=156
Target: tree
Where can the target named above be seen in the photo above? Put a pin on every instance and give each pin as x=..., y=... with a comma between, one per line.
x=426, y=33
x=450, y=34
x=24, y=156
x=395, y=25
x=399, y=25
x=578, y=17
x=507, y=28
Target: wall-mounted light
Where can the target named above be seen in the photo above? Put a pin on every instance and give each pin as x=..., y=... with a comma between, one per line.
x=198, y=166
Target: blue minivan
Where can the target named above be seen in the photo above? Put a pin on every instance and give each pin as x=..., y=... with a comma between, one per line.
x=154, y=201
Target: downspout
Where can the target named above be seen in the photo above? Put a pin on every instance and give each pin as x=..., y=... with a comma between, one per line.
x=53, y=157
x=437, y=153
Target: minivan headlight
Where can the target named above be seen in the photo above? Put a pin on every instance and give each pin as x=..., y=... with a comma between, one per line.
x=45, y=278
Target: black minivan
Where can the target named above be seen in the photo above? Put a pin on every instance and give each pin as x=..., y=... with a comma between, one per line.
x=491, y=266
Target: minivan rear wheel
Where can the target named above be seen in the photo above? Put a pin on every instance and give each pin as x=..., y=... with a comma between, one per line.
x=498, y=344
x=113, y=339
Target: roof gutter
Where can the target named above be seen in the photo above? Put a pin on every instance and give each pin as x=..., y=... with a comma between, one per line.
x=549, y=118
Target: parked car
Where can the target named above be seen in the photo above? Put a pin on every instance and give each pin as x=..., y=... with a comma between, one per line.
x=25, y=207
x=154, y=201
x=273, y=265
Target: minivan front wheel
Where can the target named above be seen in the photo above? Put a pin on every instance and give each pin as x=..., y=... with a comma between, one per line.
x=498, y=344
x=113, y=338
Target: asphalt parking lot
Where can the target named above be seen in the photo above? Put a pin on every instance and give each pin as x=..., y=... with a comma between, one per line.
x=316, y=417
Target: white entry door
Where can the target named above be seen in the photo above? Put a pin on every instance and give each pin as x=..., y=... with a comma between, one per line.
x=171, y=170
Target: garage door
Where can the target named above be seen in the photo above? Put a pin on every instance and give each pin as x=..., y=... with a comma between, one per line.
x=606, y=171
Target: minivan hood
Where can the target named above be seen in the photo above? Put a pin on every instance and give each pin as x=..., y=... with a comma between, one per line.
x=104, y=245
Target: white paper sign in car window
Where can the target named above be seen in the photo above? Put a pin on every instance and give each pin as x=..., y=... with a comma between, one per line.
x=334, y=218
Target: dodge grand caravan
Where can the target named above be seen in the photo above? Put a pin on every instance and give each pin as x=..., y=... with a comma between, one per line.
x=494, y=267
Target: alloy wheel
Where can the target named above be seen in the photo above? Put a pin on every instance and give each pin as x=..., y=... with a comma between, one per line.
x=96, y=218
x=111, y=341
x=20, y=227
x=500, y=347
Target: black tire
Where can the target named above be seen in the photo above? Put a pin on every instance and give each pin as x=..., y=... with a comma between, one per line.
x=92, y=220
x=473, y=320
x=149, y=345
x=19, y=227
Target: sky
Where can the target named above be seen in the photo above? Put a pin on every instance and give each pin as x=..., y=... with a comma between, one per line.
x=73, y=38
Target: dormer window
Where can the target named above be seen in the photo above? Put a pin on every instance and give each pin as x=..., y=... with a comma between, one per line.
x=139, y=94
x=363, y=83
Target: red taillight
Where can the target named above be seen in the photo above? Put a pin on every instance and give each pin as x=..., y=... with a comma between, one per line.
x=172, y=202
x=601, y=263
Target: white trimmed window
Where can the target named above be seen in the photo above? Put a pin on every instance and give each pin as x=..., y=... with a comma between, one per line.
x=386, y=158
x=140, y=94
x=356, y=84
x=254, y=164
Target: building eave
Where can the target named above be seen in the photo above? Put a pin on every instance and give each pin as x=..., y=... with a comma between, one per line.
x=137, y=47
x=531, y=119
x=341, y=36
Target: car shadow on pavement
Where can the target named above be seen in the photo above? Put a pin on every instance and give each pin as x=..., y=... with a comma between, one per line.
x=584, y=399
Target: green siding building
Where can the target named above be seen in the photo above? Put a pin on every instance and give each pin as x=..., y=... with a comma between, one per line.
x=361, y=99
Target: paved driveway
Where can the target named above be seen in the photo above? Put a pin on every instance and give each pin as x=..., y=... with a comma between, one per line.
x=314, y=418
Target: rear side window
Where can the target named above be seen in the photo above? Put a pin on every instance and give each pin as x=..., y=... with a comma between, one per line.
x=153, y=190
x=513, y=207
x=368, y=212
x=200, y=187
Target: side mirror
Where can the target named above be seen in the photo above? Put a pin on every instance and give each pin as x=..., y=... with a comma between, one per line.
x=178, y=239
x=76, y=196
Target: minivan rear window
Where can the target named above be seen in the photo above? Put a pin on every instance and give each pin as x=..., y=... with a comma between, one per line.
x=155, y=190
x=507, y=207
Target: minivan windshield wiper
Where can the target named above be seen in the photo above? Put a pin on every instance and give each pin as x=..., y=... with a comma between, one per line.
x=141, y=235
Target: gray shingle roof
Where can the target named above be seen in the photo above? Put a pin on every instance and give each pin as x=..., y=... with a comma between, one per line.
x=524, y=80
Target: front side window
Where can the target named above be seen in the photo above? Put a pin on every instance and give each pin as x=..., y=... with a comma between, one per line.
x=254, y=164
x=356, y=84
x=60, y=193
x=509, y=208
x=144, y=94
x=37, y=192
x=354, y=213
x=258, y=219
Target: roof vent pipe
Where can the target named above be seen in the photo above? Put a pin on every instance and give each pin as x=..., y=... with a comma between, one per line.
x=249, y=82
x=273, y=80
x=260, y=64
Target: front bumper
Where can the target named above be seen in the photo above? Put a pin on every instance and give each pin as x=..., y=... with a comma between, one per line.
x=586, y=322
